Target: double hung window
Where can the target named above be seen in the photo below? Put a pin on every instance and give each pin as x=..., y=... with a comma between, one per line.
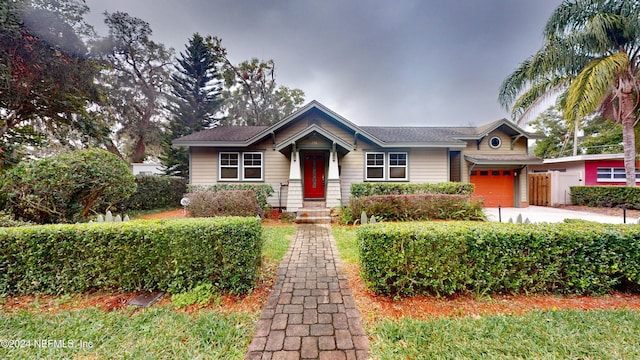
x=386, y=166
x=236, y=166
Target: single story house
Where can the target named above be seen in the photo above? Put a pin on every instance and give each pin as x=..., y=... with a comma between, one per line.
x=314, y=154
x=580, y=170
x=593, y=169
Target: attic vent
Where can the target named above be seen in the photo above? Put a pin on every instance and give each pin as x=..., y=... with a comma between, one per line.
x=495, y=142
x=314, y=121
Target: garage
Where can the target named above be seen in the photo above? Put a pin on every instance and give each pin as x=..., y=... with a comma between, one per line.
x=496, y=187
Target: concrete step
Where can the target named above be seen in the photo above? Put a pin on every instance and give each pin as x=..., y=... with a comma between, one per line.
x=314, y=204
x=313, y=216
x=314, y=220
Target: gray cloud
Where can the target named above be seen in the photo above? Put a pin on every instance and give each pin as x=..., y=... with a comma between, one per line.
x=406, y=62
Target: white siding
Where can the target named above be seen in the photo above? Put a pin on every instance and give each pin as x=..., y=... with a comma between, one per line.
x=351, y=171
x=204, y=169
x=204, y=166
x=428, y=165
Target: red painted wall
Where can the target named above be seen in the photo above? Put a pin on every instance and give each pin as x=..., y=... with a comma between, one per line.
x=591, y=171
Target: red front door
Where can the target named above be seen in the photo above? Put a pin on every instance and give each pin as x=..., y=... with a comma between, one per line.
x=314, y=180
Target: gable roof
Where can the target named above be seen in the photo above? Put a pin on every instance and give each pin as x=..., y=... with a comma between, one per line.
x=414, y=136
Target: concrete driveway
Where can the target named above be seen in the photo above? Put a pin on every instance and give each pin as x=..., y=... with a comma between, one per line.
x=537, y=214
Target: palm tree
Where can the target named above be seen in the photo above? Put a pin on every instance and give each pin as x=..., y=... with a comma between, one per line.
x=590, y=59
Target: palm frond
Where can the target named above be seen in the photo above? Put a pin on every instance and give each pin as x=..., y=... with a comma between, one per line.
x=513, y=85
x=593, y=84
x=536, y=99
x=603, y=25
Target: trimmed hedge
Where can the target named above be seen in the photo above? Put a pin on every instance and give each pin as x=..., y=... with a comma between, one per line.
x=606, y=196
x=166, y=255
x=262, y=191
x=486, y=258
x=414, y=207
x=223, y=203
x=156, y=192
x=374, y=188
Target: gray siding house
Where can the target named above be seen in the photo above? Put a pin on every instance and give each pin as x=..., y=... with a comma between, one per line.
x=315, y=155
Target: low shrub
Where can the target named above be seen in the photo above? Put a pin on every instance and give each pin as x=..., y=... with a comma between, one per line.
x=486, y=258
x=606, y=196
x=223, y=203
x=200, y=295
x=167, y=255
x=374, y=188
x=262, y=191
x=68, y=186
x=414, y=207
x=156, y=192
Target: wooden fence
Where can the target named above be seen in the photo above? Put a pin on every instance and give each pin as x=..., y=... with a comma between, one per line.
x=540, y=189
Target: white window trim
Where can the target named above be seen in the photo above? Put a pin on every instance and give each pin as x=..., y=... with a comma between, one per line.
x=220, y=166
x=611, y=172
x=261, y=167
x=367, y=166
x=406, y=166
x=386, y=166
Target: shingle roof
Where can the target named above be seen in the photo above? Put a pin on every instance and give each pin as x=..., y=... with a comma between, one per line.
x=224, y=133
x=416, y=134
x=392, y=136
x=503, y=158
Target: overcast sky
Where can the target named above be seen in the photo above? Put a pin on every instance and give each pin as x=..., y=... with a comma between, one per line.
x=376, y=62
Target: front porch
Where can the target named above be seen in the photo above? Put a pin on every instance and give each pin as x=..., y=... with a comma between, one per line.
x=314, y=172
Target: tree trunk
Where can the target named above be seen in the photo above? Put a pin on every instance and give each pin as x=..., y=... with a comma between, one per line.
x=139, y=150
x=112, y=148
x=629, y=144
x=627, y=105
x=575, y=137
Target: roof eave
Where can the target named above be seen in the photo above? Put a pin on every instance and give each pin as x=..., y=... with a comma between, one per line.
x=309, y=130
x=504, y=162
x=424, y=145
x=211, y=143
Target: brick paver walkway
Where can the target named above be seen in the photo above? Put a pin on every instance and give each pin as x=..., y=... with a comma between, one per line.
x=311, y=313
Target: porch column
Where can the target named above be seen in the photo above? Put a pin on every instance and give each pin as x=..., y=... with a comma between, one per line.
x=334, y=192
x=294, y=196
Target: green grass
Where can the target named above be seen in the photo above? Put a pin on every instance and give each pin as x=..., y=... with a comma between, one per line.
x=277, y=239
x=567, y=334
x=153, y=333
x=347, y=242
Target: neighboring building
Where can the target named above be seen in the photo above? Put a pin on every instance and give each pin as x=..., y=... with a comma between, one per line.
x=589, y=170
x=316, y=154
x=595, y=169
x=147, y=169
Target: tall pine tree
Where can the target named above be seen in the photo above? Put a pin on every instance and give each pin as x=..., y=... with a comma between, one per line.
x=195, y=100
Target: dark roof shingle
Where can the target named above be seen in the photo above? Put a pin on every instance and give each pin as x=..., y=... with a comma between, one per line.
x=224, y=133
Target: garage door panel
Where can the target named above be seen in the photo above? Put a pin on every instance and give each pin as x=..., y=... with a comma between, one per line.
x=496, y=187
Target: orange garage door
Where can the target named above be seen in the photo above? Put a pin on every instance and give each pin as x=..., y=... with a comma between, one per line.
x=494, y=186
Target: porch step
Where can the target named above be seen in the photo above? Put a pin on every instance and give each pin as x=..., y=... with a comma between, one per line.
x=313, y=216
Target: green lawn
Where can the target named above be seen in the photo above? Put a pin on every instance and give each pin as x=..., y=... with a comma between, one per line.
x=346, y=242
x=538, y=335
x=153, y=333
x=277, y=239
x=562, y=334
